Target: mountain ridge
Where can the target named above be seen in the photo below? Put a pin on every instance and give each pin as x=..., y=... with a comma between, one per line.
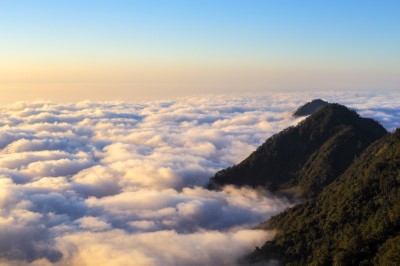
x=310, y=107
x=354, y=221
x=296, y=157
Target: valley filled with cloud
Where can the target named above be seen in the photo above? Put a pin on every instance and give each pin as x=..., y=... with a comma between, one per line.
x=122, y=183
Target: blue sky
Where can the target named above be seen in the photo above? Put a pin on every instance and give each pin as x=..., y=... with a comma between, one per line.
x=253, y=37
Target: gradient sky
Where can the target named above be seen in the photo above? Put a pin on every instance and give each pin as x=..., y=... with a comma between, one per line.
x=103, y=49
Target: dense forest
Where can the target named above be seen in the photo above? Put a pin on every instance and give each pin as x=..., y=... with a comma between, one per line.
x=307, y=157
x=354, y=221
x=346, y=171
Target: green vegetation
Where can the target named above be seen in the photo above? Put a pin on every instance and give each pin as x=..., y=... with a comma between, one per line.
x=308, y=157
x=348, y=170
x=354, y=221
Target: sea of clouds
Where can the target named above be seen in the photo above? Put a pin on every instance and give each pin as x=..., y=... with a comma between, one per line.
x=119, y=183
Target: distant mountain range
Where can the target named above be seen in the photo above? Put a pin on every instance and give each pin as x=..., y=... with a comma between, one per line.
x=347, y=171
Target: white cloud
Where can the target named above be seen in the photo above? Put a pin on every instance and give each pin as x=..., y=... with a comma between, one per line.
x=116, y=182
x=116, y=247
x=93, y=224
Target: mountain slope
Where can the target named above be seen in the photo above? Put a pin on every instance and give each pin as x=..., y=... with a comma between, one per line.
x=354, y=221
x=306, y=157
x=310, y=107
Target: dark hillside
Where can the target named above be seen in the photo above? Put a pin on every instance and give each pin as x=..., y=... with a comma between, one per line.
x=354, y=221
x=306, y=157
x=310, y=107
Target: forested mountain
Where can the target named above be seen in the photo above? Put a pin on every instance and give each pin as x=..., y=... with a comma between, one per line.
x=307, y=157
x=354, y=221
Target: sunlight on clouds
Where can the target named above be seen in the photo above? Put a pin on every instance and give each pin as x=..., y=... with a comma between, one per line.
x=119, y=183
x=116, y=247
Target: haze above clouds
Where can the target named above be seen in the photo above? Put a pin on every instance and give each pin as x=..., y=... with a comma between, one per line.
x=120, y=183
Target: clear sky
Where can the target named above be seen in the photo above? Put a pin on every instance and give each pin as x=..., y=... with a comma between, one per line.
x=115, y=49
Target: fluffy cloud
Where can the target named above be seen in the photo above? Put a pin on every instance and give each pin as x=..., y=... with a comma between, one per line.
x=116, y=247
x=120, y=183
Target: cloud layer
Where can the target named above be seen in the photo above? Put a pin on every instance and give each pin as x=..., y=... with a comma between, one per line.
x=120, y=183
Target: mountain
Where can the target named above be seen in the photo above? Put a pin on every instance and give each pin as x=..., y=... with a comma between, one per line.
x=310, y=107
x=307, y=157
x=354, y=221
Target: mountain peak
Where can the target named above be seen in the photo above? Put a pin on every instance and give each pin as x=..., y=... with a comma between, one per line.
x=308, y=156
x=310, y=107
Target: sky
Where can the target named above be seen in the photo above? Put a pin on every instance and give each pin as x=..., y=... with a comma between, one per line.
x=100, y=50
